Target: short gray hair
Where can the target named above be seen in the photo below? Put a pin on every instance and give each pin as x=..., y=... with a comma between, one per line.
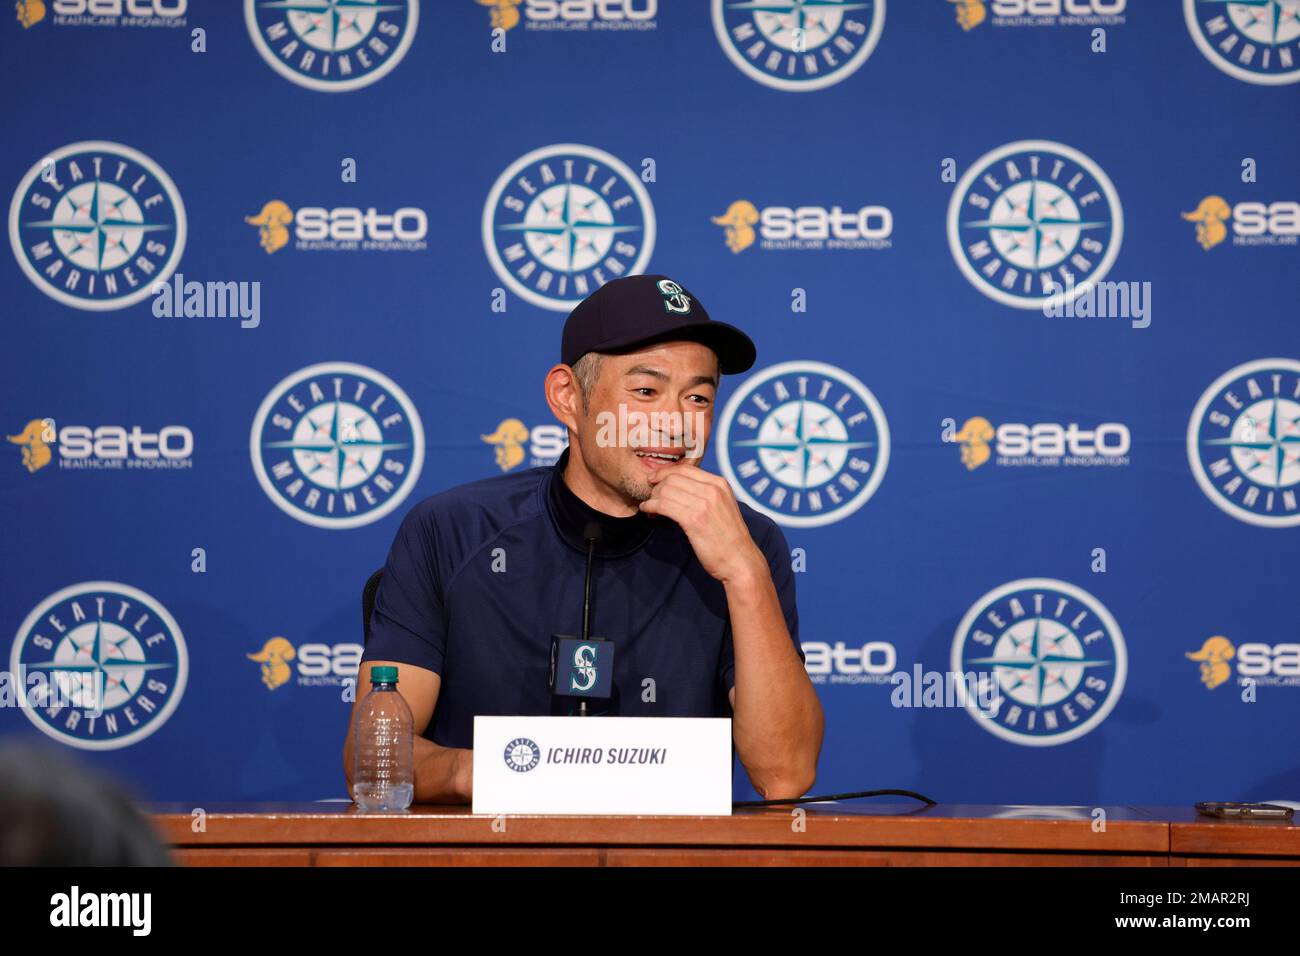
x=586, y=370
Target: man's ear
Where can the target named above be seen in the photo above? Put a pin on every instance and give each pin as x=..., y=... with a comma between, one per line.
x=563, y=396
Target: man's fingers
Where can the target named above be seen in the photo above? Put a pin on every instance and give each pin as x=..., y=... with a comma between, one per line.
x=686, y=470
x=695, y=479
x=673, y=503
x=713, y=492
x=684, y=497
x=661, y=506
x=691, y=472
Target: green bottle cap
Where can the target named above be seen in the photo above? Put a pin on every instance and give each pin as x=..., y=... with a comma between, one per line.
x=383, y=675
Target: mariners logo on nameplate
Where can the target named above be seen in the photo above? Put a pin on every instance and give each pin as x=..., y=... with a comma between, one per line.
x=521, y=755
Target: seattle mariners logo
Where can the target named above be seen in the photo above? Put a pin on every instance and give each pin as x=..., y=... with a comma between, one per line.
x=1253, y=40
x=1056, y=652
x=104, y=665
x=798, y=45
x=584, y=673
x=1243, y=442
x=332, y=45
x=522, y=755
x=675, y=298
x=562, y=221
x=805, y=443
x=337, y=445
x=1032, y=219
x=96, y=225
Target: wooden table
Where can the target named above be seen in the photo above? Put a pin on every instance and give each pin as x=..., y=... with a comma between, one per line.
x=849, y=834
x=1195, y=840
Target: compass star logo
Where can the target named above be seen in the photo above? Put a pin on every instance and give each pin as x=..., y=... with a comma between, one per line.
x=337, y=445
x=1033, y=224
x=1243, y=442
x=798, y=45
x=332, y=45
x=1257, y=41
x=562, y=221
x=112, y=660
x=95, y=225
x=1056, y=652
x=522, y=754
x=805, y=443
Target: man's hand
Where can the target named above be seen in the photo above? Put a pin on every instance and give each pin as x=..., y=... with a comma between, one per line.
x=442, y=774
x=705, y=508
x=777, y=719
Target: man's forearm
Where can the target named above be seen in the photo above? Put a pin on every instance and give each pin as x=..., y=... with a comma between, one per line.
x=442, y=774
x=777, y=723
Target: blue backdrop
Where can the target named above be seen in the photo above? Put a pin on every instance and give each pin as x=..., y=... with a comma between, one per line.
x=878, y=193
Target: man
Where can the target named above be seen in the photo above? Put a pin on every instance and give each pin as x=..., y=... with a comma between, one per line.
x=694, y=588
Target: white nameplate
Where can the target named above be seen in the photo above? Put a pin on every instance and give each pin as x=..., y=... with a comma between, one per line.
x=603, y=765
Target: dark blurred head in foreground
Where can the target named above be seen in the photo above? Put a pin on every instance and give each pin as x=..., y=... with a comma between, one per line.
x=55, y=813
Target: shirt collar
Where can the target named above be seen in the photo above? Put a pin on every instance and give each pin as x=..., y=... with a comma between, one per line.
x=571, y=515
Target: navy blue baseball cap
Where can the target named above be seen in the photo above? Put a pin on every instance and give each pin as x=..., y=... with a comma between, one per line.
x=634, y=311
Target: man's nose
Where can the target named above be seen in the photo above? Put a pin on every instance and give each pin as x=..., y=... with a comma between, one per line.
x=663, y=418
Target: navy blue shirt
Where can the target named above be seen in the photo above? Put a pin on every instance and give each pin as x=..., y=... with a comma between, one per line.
x=480, y=576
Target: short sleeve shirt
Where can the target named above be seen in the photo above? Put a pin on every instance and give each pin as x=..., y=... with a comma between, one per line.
x=481, y=576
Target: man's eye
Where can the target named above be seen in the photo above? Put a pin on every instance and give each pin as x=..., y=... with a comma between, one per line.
x=644, y=390
x=700, y=399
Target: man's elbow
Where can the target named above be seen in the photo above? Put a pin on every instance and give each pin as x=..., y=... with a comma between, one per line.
x=793, y=773
x=791, y=779
x=790, y=784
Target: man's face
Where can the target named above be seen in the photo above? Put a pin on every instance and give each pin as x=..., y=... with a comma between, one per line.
x=648, y=411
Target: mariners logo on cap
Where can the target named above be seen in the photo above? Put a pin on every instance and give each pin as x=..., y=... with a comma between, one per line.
x=562, y=221
x=332, y=45
x=798, y=45
x=95, y=225
x=1257, y=40
x=1056, y=653
x=337, y=445
x=1243, y=442
x=1034, y=223
x=805, y=443
x=102, y=665
x=676, y=301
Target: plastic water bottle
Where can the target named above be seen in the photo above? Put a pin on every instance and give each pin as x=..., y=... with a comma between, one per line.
x=383, y=776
